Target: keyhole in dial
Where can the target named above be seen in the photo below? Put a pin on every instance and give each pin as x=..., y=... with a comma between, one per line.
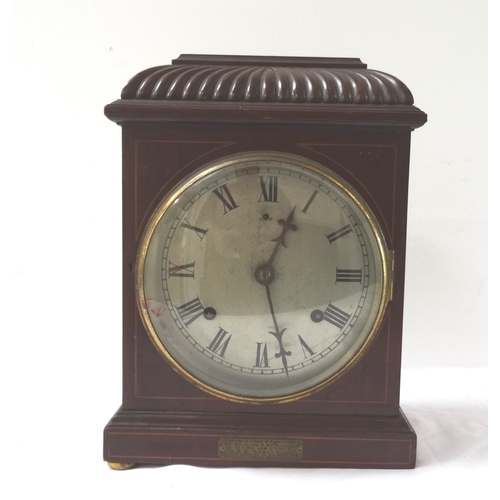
x=317, y=316
x=209, y=313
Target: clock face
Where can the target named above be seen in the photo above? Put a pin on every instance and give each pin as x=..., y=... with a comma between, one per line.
x=262, y=277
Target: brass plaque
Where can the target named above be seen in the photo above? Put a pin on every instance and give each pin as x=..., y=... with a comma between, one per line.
x=282, y=450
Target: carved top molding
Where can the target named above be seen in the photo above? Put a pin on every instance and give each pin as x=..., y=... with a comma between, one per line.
x=267, y=79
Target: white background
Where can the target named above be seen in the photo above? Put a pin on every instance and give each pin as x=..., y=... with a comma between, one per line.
x=61, y=208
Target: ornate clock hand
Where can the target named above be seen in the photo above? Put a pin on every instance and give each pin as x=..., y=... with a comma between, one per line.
x=264, y=274
x=287, y=224
x=278, y=333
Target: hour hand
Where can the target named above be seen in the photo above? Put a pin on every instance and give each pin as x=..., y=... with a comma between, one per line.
x=287, y=225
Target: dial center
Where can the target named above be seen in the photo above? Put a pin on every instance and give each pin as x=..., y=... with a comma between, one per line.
x=264, y=274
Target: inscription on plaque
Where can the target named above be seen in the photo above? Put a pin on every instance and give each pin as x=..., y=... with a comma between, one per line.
x=260, y=449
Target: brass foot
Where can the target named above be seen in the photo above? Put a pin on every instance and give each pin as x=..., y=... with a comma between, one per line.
x=120, y=466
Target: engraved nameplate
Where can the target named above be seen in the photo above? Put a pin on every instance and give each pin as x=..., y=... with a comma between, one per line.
x=260, y=449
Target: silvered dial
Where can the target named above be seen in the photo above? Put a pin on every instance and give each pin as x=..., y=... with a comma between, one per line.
x=262, y=277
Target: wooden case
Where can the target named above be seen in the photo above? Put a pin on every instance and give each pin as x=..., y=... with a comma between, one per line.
x=354, y=121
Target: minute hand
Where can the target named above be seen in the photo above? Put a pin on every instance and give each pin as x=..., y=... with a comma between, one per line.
x=277, y=333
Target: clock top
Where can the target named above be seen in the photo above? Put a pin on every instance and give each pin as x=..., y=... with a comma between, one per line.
x=268, y=79
x=290, y=62
x=272, y=90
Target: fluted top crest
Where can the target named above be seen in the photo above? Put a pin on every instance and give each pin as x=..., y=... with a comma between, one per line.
x=267, y=79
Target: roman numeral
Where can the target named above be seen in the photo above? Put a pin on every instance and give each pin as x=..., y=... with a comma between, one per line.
x=308, y=204
x=197, y=230
x=336, y=316
x=339, y=233
x=219, y=343
x=184, y=271
x=305, y=348
x=190, y=311
x=348, y=276
x=269, y=187
x=225, y=196
x=261, y=358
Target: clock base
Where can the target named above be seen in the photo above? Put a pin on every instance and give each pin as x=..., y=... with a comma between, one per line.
x=250, y=440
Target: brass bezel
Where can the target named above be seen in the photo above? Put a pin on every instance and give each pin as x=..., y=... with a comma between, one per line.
x=232, y=160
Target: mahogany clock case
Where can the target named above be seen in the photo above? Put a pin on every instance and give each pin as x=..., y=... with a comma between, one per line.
x=353, y=422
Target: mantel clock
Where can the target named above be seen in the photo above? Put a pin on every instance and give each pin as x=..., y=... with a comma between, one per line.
x=264, y=230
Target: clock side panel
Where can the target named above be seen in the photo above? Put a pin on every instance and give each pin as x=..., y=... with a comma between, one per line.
x=151, y=166
x=378, y=167
x=375, y=163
